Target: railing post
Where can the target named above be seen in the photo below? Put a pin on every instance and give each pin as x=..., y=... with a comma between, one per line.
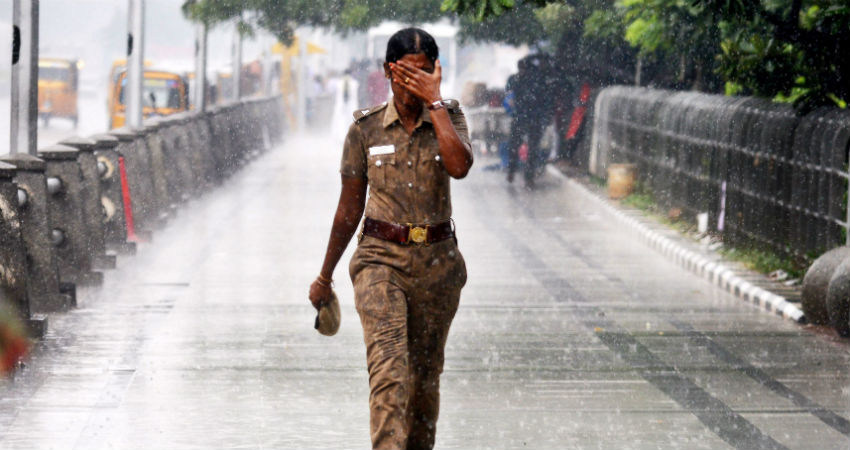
x=66, y=210
x=115, y=227
x=90, y=198
x=146, y=209
x=46, y=293
x=24, y=108
x=14, y=273
x=847, y=217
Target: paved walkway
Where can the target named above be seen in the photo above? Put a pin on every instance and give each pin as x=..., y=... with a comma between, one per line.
x=571, y=335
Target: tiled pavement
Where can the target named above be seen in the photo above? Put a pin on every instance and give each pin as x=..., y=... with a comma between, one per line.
x=572, y=334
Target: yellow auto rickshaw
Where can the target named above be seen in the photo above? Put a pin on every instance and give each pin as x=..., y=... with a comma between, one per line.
x=163, y=93
x=58, y=82
x=118, y=66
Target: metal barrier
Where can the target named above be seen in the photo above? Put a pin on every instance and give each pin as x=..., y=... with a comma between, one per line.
x=767, y=177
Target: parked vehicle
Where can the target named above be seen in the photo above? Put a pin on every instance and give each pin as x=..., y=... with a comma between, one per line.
x=163, y=93
x=118, y=66
x=58, y=82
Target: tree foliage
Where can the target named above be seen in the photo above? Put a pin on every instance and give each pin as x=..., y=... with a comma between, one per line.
x=796, y=49
x=519, y=27
x=677, y=38
x=787, y=49
x=562, y=29
x=281, y=17
x=479, y=10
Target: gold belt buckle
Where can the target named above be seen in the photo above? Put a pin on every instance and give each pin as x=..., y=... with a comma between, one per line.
x=417, y=234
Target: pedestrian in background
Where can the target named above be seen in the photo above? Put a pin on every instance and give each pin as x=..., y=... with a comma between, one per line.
x=532, y=92
x=345, y=101
x=407, y=270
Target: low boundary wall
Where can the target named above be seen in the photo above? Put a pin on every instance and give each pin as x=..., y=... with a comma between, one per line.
x=65, y=214
x=767, y=177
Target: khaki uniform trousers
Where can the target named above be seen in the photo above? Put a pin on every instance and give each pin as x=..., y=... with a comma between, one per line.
x=406, y=297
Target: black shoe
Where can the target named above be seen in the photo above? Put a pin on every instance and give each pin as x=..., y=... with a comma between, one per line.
x=510, y=176
x=529, y=183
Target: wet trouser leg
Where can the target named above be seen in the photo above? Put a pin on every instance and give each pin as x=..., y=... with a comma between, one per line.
x=383, y=313
x=535, y=133
x=405, y=350
x=406, y=319
x=429, y=318
x=514, y=143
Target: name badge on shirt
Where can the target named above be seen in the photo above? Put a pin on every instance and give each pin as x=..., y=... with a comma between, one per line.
x=381, y=150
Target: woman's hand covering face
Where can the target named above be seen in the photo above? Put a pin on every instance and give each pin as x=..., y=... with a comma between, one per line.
x=422, y=84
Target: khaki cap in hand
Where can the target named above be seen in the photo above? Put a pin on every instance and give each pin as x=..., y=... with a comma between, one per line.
x=328, y=317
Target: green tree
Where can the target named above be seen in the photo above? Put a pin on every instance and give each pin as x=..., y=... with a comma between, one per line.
x=677, y=40
x=784, y=49
x=600, y=56
x=585, y=46
x=281, y=17
x=794, y=49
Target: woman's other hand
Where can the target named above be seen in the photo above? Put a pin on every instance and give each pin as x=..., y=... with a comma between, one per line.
x=320, y=294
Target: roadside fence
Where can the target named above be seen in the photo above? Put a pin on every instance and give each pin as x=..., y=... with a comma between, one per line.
x=767, y=177
x=66, y=214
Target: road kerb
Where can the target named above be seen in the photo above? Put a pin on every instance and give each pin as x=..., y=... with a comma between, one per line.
x=716, y=273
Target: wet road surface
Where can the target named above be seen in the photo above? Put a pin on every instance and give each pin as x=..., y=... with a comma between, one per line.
x=571, y=334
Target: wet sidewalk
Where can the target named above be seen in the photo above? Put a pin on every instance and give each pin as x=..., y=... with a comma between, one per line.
x=572, y=334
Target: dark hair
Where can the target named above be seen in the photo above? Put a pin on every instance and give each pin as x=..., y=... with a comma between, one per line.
x=411, y=41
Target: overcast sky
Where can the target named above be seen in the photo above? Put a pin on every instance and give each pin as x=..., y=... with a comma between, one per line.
x=95, y=31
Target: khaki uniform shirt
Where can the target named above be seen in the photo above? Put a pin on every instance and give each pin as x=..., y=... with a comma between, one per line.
x=407, y=180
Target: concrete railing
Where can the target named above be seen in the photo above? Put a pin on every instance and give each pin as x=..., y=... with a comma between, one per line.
x=65, y=214
x=766, y=177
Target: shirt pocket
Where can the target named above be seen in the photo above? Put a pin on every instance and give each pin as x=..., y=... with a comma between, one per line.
x=433, y=173
x=379, y=168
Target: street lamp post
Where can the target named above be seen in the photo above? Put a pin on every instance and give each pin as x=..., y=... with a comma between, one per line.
x=24, y=101
x=135, y=63
x=201, y=67
x=237, y=63
x=302, y=80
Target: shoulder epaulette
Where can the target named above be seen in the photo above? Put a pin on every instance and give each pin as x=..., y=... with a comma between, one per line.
x=366, y=112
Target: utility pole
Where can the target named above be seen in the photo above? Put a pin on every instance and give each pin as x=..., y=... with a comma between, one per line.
x=24, y=106
x=237, y=62
x=135, y=63
x=201, y=67
x=302, y=80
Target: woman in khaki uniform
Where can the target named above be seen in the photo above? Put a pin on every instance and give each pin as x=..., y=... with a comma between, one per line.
x=407, y=270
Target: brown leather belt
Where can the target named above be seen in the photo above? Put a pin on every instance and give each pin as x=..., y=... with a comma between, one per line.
x=408, y=233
